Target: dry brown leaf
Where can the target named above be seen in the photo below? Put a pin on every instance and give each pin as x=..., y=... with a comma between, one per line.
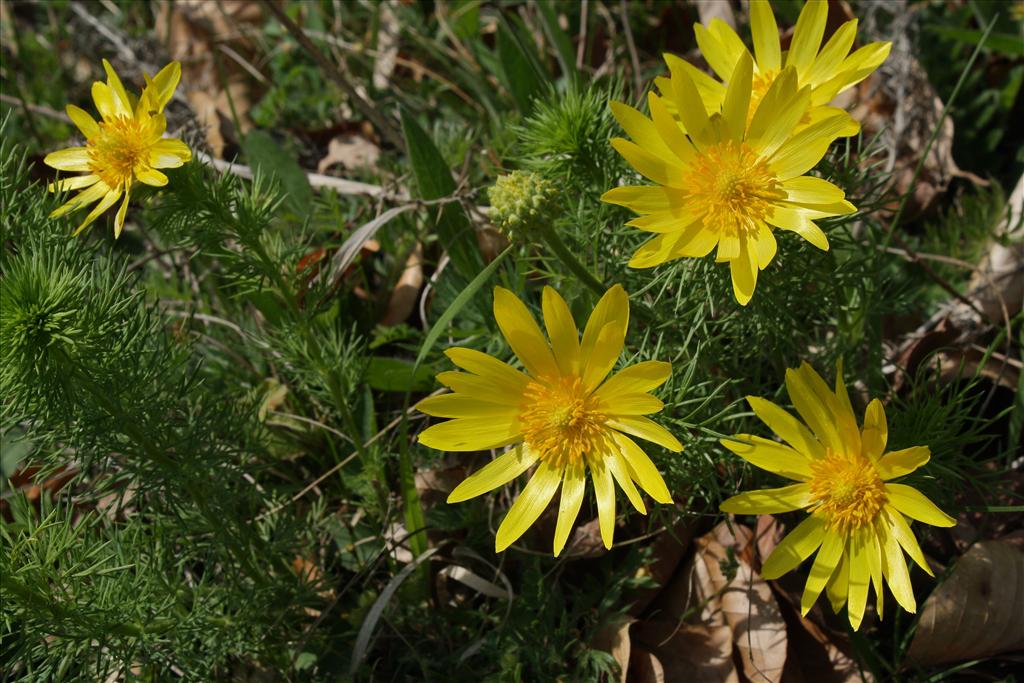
x=747, y=603
x=407, y=290
x=644, y=667
x=698, y=653
x=614, y=639
x=354, y=152
x=667, y=552
x=976, y=612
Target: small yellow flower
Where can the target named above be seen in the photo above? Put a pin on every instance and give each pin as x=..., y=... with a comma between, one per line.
x=728, y=182
x=857, y=516
x=125, y=146
x=827, y=70
x=560, y=414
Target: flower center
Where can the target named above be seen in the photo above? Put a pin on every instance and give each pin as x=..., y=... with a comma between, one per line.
x=733, y=188
x=847, y=491
x=560, y=421
x=119, y=147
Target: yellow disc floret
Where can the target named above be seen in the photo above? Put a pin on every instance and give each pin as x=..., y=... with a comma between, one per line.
x=560, y=420
x=847, y=490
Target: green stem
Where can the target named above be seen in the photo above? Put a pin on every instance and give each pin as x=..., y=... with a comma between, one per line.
x=562, y=251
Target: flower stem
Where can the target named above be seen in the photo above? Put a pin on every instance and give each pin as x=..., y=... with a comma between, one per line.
x=554, y=241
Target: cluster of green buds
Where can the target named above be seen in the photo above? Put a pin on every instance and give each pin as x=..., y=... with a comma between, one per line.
x=522, y=204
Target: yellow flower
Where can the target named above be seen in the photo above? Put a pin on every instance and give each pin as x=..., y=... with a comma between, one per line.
x=827, y=71
x=727, y=182
x=125, y=146
x=560, y=414
x=857, y=516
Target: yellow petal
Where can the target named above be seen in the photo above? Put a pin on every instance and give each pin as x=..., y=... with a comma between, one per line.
x=874, y=555
x=116, y=87
x=765, y=246
x=900, y=530
x=787, y=427
x=690, y=106
x=815, y=211
x=829, y=60
x=825, y=563
x=617, y=466
x=810, y=190
x=644, y=199
x=711, y=91
x=505, y=379
x=728, y=248
x=565, y=338
x=651, y=166
x=718, y=55
x=667, y=221
x=604, y=492
x=769, y=501
x=780, y=127
x=766, y=36
x=161, y=88
x=645, y=428
x=845, y=420
x=151, y=176
x=810, y=28
x=744, y=273
x=85, y=123
x=780, y=98
x=898, y=463
x=108, y=201
x=460, y=405
x=694, y=242
x=916, y=505
x=472, y=433
x=770, y=455
x=728, y=39
x=74, y=183
x=737, y=97
x=875, y=433
x=70, y=159
x=860, y=578
x=528, y=506
x=642, y=469
x=669, y=131
x=169, y=153
x=801, y=152
x=639, y=378
x=523, y=334
x=494, y=474
x=600, y=359
x=613, y=307
x=814, y=405
x=796, y=547
x=121, y=213
x=108, y=104
x=92, y=194
x=797, y=221
x=632, y=404
x=894, y=567
x=853, y=70
x=480, y=388
x=573, y=487
x=838, y=586
x=642, y=130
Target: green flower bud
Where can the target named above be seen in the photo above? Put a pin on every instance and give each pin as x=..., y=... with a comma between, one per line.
x=521, y=203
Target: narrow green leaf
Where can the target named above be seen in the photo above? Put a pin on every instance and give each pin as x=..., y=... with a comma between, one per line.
x=555, y=34
x=395, y=374
x=521, y=76
x=266, y=156
x=434, y=181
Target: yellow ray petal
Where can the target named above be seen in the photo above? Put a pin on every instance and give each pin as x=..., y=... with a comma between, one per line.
x=573, y=487
x=853, y=70
x=108, y=201
x=604, y=492
x=766, y=36
x=828, y=62
x=811, y=190
x=494, y=474
x=169, y=154
x=667, y=221
x=898, y=463
x=528, y=506
x=744, y=273
x=895, y=568
x=459, y=405
x=737, y=97
x=900, y=530
x=85, y=123
x=728, y=39
x=787, y=427
x=805, y=149
x=151, y=176
x=642, y=469
x=779, y=100
x=601, y=358
x=651, y=166
x=160, y=89
x=825, y=564
x=765, y=246
x=711, y=91
x=116, y=87
x=632, y=404
x=645, y=428
x=916, y=505
x=846, y=421
x=70, y=159
x=810, y=28
x=617, y=466
x=639, y=378
x=472, y=433
x=565, y=338
x=874, y=557
x=612, y=307
x=769, y=501
x=770, y=455
x=695, y=242
x=479, y=388
x=121, y=213
x=860, y=578
x=812, y=407
x=107, y=103
x=839, y=585
x=74, y=183
x=644, y=199
x=875, y=433
x=690, y=107
x=780, y=126
x=796, y=547
x=669, y=131
x=798, y=222
x=717, y=55
x=728, y=248
x=522, y=334
x=642, y=130
x=505, y=379
x=92, y=194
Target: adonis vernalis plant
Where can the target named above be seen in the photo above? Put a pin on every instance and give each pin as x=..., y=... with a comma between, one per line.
x=560, y=414
x=727, y=182
x=827, y=70
x=125, y=146
x=857, y=521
